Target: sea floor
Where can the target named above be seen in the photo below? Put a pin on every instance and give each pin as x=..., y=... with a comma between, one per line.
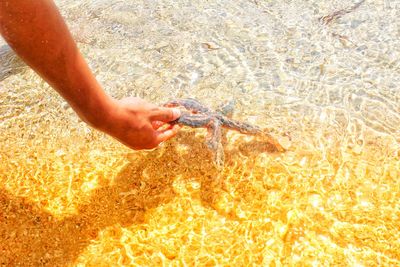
x=321, y=76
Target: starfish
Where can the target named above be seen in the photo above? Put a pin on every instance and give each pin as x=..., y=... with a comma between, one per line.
x=196, y=115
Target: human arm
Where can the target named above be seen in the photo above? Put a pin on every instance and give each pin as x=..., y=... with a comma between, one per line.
x=38, y=34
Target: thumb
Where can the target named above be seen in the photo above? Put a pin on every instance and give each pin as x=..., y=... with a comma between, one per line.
x=165, y=114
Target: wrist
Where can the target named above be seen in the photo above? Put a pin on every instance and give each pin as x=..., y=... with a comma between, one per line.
x=97, y=112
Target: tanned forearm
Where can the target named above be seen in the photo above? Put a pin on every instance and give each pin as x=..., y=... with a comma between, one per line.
x=38, y=34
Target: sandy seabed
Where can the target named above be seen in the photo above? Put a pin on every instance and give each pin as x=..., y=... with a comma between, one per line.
x=325, y=84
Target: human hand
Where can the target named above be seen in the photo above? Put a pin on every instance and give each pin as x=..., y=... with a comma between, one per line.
x=54, y=55
x=139, y=124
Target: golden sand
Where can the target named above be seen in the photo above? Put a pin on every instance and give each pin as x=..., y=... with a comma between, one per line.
x=67, y=201
x=71, y=196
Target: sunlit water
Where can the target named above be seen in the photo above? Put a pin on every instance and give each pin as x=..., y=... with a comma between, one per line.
x=329, y=92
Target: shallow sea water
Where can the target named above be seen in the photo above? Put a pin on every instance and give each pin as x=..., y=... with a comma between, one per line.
x=327, y=90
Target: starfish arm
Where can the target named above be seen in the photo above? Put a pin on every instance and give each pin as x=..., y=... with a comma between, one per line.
x=194, y=120
x=193, y=105
x=213, y=141
x=227, y=109
x=214, y=134
x=241, y=127
x=274, y=142
x=189, y=104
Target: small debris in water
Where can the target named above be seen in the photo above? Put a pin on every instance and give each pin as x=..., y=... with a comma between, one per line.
x=338, y=14
x=209, y=46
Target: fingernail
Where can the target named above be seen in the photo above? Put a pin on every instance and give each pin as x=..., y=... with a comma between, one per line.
x=176, y=112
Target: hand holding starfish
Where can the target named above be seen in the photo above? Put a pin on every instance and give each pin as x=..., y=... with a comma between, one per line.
x=38, y=34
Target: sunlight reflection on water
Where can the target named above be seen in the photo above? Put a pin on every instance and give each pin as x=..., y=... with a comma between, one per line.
x=331, y=87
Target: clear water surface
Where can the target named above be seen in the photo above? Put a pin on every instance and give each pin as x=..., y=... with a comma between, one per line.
x=327, y=90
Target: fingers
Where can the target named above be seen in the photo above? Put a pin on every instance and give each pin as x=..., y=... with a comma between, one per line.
x=163, y=125
x=157, y=124
x=157, y=138
x=166, y=134
x=165, y=114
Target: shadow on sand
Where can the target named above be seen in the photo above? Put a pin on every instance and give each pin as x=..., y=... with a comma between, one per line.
x=31, y=236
